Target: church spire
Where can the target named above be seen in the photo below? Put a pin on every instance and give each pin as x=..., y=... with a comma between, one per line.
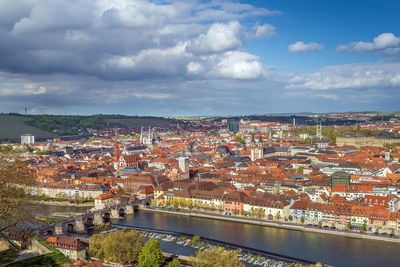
x=116, y=149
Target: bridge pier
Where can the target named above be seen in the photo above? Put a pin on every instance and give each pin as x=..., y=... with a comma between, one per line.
x=79, y=225
x=59, y=229
x=114, y=214
x=98, y=220
x=129, y=209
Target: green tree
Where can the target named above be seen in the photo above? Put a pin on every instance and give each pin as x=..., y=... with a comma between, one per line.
x=216, y=257
x=363, y=228
x=15, y=179
x=348, y=226
x=195, y=240
x=333, y=226
x=300, y=169
x=319, y=224
x=302, y=219
x=120, y=246
x=151, y=254
x=278, y=216
x=290, y=218
x=95, y=245
x=174, y=263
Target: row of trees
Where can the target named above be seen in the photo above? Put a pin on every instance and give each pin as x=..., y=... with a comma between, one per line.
x=194, y=205
x=191, y=205
x=127, y=247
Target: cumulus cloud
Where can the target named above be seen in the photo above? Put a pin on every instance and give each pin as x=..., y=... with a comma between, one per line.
x=350, y=76
x=238, y=65
x=25, y=89
x=122, y=39
x=57, y=53
x=220, y=37
x=231, y=65
x=265, y=30
x=303, y=47
x=382, y=41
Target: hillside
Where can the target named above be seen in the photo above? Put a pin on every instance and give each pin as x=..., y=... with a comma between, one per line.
x=12, y=126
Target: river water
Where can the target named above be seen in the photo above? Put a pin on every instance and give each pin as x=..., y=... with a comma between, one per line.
x=328, y=249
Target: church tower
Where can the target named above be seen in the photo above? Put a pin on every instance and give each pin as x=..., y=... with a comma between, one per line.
x=116, y=153
x=253, y=149
x=260, y=148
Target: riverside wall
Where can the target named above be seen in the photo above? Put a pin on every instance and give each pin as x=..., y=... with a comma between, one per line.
x=278, y=225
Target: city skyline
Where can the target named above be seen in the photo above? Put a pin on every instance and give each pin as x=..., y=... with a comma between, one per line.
x=177, y=58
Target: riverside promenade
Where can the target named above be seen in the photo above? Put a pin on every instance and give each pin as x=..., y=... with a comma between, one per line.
x=278, y=225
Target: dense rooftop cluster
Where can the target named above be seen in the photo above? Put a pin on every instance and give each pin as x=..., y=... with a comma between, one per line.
x=261, y=169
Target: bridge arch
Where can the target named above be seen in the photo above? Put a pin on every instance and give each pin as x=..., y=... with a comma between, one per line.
x=121, y=212
x=106, y=216
x=71, y=227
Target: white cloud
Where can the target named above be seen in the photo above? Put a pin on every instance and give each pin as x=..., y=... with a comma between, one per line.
x=350, y=76
x=220, y=37
x=265, y=30
x=195, y=68
x=302, y=47
x=238, y=65
x=382, y=41
x=26, y=89
x=152, y=96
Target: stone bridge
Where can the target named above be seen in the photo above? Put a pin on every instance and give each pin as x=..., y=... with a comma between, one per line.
x=81, y=223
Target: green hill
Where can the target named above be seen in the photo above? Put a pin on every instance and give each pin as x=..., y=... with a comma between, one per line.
x=12, y=126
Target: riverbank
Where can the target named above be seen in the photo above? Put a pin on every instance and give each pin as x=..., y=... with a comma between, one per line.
x=249, y=256
x=60, y=203
x=278, y=225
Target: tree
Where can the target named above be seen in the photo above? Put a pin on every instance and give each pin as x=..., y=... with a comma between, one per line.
x=220, y=209
x=393, y=232
x=319, y=224
x=120, y=246
x=195, y=240
x=235, y=212
x=278, y=216
x=333, y=226
x=290, y=218
x=15, y=179
x=216, y=257
x=151, y=254
x=348, y=226
x=174, y=263
x=302, y=219
x=363, y=228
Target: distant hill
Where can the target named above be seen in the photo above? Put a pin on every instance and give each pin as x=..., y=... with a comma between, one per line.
x=12, y=126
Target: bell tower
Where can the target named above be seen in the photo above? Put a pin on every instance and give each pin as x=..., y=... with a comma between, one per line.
x=116, y=152
x=253, y=149
x=260, y=148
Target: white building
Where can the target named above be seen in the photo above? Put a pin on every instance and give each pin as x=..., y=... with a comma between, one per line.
x=27, y=139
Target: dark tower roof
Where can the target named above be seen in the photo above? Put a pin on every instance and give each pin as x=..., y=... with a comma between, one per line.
x=223, y=150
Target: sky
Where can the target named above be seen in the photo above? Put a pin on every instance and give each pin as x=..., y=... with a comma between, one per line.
x=197, y=58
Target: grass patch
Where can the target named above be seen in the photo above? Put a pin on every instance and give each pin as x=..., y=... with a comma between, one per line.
x=50, y=219
x=52, y=259
x=7, y=256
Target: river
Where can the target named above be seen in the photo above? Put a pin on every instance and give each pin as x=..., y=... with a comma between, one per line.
x=328, y=249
